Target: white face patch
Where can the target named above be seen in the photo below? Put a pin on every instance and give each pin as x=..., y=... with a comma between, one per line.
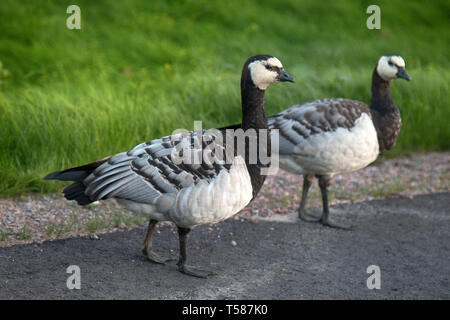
x=387, y=67
x=274, y=62
x=261, y=76
x=398, y=61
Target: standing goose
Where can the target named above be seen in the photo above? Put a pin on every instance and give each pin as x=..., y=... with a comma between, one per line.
x=331, y=136
x=147, y=179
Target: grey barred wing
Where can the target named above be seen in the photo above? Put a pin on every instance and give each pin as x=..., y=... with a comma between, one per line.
x=300, y=122
x=153, y=168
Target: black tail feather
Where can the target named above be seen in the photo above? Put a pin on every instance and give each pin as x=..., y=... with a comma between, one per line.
x=75, y=174
x=76, y=190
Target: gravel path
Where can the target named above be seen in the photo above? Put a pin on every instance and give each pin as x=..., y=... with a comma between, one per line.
x=35, y=218
x=409, y=240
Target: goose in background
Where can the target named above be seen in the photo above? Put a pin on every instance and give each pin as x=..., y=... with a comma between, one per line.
x=332, y=136
x=147, y=180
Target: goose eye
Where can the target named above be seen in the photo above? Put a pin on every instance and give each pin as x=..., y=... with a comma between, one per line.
x=269, y=67
x=390, y=63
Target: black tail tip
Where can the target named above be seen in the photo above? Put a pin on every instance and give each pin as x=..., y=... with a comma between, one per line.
x=52, y=176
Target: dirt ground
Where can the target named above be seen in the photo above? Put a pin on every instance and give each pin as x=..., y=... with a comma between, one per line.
x=270, y=258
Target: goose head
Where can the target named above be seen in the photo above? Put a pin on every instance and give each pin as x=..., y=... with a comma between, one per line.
x=390, y=67
x=265, y=70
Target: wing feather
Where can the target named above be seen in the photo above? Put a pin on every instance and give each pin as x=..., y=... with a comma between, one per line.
x=146, y=172
x=298, y=123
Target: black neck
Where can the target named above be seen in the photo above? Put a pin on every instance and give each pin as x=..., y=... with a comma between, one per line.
x=253, y=113
x=253, y=117
x=386, y=116
x=381, y=94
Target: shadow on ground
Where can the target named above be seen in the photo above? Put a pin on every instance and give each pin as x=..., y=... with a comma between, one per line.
x=408, y=239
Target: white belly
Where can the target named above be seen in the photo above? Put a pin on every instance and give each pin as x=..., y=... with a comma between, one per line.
x=340, y=151
x=218, y=200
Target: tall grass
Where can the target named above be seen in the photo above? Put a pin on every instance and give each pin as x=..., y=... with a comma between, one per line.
x=139, y=69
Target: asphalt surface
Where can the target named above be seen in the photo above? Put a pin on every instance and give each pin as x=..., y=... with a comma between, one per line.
x=408, y=239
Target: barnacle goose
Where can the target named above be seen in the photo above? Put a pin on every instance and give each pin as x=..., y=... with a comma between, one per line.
x=330, y=136
x=147, y=180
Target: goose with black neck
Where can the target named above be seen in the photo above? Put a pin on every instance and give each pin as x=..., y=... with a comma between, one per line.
x=147, y=180
x=326, y=137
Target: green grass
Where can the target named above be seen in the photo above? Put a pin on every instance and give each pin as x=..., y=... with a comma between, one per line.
x=123, y=218
x=393, y=188
x=3, y=235
x=24, y=233
x=95, y=224
x=139, y=69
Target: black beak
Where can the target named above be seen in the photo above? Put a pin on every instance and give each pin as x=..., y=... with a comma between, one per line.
x=401, y=73
x=284, y=76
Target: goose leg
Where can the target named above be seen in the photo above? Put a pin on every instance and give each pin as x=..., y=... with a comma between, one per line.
x=324, y=183
x=307, y=181
x=147, y=247
x=182, y=267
